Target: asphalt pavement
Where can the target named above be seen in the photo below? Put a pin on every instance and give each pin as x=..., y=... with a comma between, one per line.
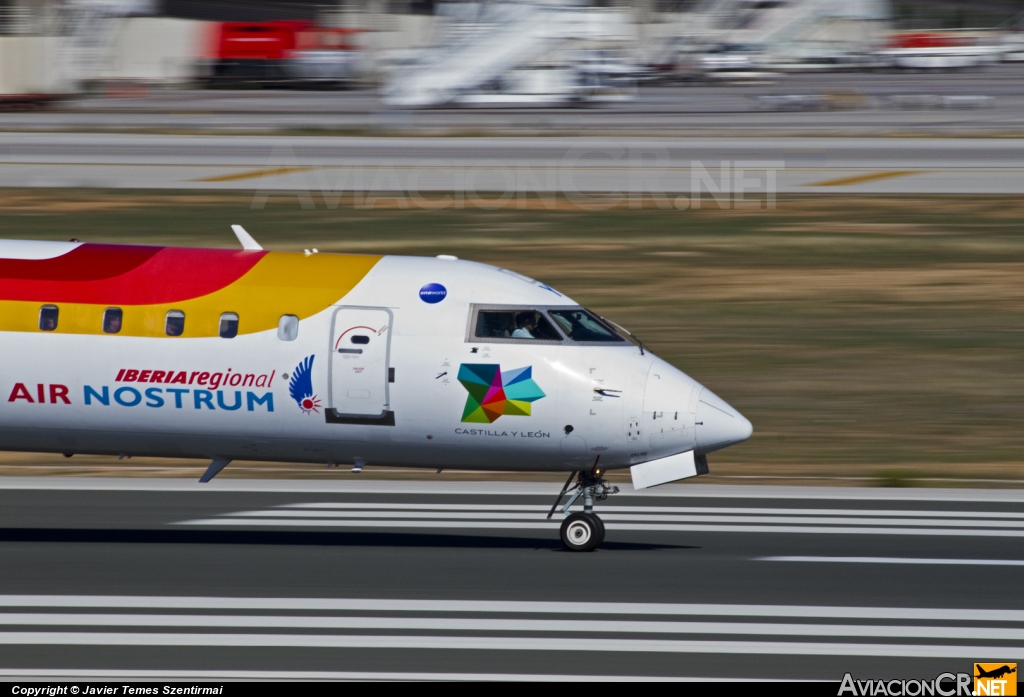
x=359, y=578
x=594, y=172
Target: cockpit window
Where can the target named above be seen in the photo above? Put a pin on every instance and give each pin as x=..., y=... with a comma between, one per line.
x=515, y=324
x=581, y=325
x=511, y=324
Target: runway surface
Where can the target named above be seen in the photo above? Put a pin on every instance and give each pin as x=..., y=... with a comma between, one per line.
x=492, y=172
x=359, y=578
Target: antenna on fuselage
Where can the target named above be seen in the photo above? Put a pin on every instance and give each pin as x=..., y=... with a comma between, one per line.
x=245, y=238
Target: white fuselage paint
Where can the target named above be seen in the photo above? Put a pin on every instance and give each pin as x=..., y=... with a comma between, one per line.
x=638, y=418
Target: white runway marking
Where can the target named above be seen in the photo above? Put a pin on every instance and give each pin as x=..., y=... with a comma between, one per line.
x=292, y=523
x=614, y=510
x=545, y=490
x=460, y=625
x=531, y=517
x=576, y=626
x=315, y=516
x=612, y=514
x=262, y=675
x=509, y=607
x=900, y=560
x=552, y=524
x=483, y=643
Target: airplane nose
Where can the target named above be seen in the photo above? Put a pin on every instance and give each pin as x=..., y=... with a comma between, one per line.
x=718, y=424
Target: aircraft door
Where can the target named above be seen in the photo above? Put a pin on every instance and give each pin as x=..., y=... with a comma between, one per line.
x=360, y=362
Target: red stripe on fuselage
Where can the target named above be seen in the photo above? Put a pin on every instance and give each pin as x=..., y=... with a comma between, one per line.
x=124, y=275
x=87, y=262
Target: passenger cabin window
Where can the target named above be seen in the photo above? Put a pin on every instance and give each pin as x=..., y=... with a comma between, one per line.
x=581, y=325
x=174, y=324
x=360, y=339
x=515, y=324
x=112, y=320
x=48, y=317
x=288, y=328
x=228, y=325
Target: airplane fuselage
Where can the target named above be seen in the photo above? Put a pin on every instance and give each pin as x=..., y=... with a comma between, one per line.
x=328, y=358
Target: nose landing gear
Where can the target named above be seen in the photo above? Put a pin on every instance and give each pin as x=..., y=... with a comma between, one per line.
x=583, y=532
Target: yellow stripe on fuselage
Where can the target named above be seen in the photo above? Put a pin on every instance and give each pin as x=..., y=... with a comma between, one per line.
x=279, y=284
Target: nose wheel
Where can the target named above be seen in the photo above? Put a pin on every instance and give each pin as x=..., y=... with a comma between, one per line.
x=583, y=532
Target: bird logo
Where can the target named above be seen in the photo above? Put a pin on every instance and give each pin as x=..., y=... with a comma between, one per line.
x=300, y=387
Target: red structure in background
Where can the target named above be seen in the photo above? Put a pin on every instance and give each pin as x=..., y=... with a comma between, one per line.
x=924, y=40
x=265, y=50
x=258, y=41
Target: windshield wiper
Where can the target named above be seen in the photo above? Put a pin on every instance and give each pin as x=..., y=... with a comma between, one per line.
x=628, y=333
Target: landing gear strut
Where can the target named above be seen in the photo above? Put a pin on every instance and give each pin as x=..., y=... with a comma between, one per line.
x=583, y=532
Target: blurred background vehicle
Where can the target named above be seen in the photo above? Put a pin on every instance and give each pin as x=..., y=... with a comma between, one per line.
x=941, y=50
x=281, y=53
x=733, y=60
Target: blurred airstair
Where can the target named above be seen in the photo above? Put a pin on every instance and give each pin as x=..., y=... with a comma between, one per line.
x=477, y=53
x=775, y=24
x=784, y=22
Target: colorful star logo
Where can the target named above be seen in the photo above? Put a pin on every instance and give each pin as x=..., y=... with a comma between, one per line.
x=493, y=394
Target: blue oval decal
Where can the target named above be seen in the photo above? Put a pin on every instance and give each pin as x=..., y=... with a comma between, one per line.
x=433, y=293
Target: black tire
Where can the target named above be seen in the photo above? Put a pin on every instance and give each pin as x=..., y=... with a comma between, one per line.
x=599, y=525
x=580, y=533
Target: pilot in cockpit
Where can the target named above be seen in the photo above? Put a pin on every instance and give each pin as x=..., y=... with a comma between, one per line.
x=526, y=322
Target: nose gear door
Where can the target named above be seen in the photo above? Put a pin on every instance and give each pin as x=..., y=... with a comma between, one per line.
x=358, y=379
